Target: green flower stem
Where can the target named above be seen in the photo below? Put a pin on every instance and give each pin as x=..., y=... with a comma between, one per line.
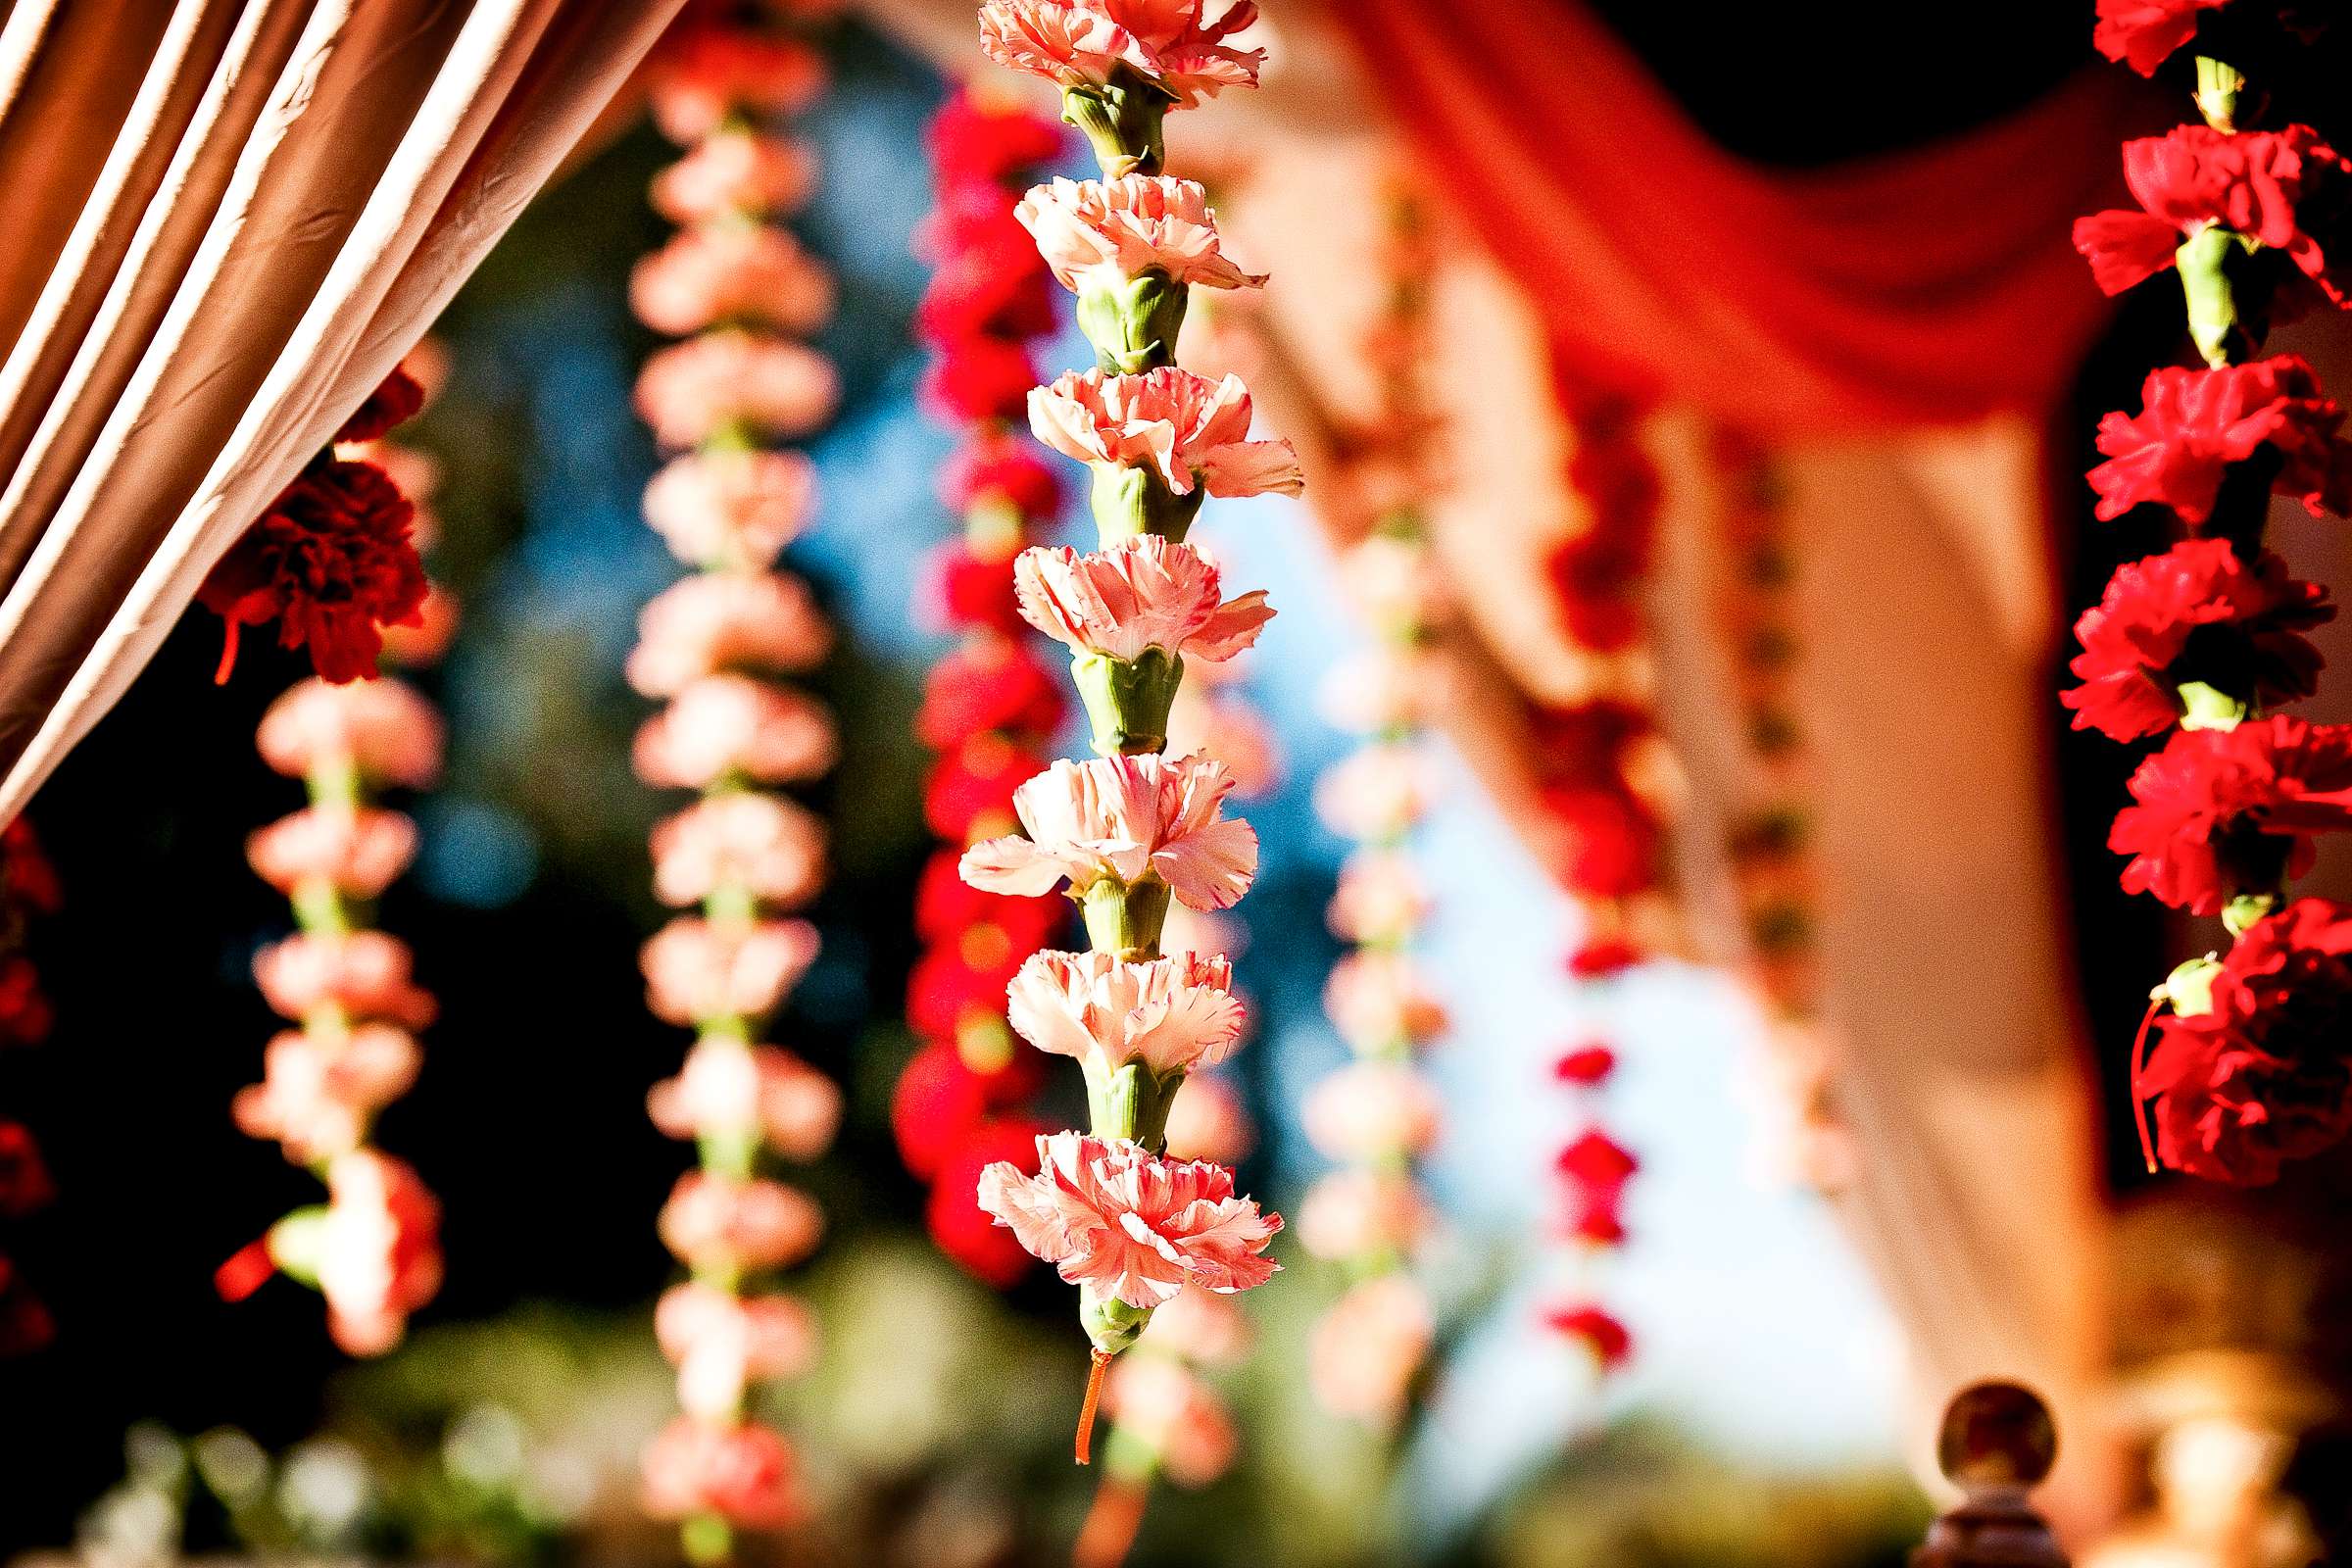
x=1125, y=920
x=1133, y=324
x=1130, y=502
x=2219, y=86
x=2203, y=261
x=1123, y=120
x=1127, y=700
x=1131, y=1102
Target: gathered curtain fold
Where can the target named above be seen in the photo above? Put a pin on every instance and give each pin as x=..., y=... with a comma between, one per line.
x=229, y=219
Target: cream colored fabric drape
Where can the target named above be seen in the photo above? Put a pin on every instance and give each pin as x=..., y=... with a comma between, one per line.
x=226, y=221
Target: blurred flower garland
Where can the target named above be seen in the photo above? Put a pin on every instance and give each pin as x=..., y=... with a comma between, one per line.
x=991, y=705
x=1134, y=829
x=1600, y=765
x=734, y=283
x=2250, y=1067
x=29, y=889
x=1377, y=1116
x=373, y=1250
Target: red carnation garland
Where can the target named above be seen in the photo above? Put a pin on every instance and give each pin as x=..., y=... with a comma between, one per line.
x=2244, y=1063
x=742, y=856
x=991, y=705
x=373, y=1249
x=30, y=889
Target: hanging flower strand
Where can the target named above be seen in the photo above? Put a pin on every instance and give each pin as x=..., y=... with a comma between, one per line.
x=1133, y=829
x=2203, y=642
x=743, y=855
x=991, y=704
x=29, y=889
x=373, y=1250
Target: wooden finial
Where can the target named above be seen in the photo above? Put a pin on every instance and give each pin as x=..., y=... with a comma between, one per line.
x=1998, y=1442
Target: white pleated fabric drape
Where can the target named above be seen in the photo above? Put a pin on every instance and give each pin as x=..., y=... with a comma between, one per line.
x=225, y=222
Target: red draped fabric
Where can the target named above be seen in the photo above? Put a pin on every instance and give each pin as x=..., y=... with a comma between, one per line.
x=1924, y=288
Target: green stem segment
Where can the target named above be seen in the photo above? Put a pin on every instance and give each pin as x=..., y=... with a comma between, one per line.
x=1122, y=120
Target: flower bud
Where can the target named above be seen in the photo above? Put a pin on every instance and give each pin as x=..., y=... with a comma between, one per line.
x=2204, y=262
x=1110, y=1324
x=2188, y=989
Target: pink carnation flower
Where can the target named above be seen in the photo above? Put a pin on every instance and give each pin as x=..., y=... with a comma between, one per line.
x=378, y=1250
x=1369, y=1111
x=1140, y=593
x=1178, y=1416
x=317, y=1092
x=702, y=75
x=728, y=1090
x=1170, y=1014
x=716, y=1223
x=721, y=620
x=1363, y=1354
x=732, y=511
x=1376, y=999
x=365, y=973
x=1377, y=793
x=1079, y=43
x=740, y=1471
x=1102, y=233
x=700, y=969
x=721, y=1343
x=770, y=847
x=1129, y=1224
x=1125, y=818
x=729, y=725
x=1195, y=433
x=736, y=172
x=1208, y=1121
x=1379, y=897
x=1359, y=1213
x=716, y=273
x=380, y=726
x=691, y=391
x=355, y=851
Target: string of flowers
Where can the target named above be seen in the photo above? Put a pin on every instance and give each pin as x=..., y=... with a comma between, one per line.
x=28, y=890
x=1598, y=762
x=1170, y=1421
x=991, y=706
x=1771, y=851
x=373, y=1250
x=735, y=283
x=1134, y=828
x=2203, y=643
x=1377, y=1116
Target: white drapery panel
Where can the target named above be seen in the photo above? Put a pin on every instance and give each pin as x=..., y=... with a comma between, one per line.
x=227, y=222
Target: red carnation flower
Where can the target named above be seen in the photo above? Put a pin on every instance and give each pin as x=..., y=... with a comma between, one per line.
x=987, y=683
x=955, y=984
x=395, y=402
x=1590, y=742
x=972, y=143
x=25, y=1324
x=963, y=589
x=2221, y=812
x=1593, y=576
x=946, y=906
x=993, y=465
x=1597, y=1162
x=1603, y=957
x=987, y=278
x=331, y=562
x=978, y=378
x=2288, y=189
x=959, y=1226
x=933, y=1106
x=1609, y=1340
x=28, y=878
x=2195, y=423
x=1587, y=1067
x=1613, y=840
x=25, y=1015
x=969, y=794
x=2265, y=1075
x=2145, y=34
x=25, y=1182
x=2196, y=613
